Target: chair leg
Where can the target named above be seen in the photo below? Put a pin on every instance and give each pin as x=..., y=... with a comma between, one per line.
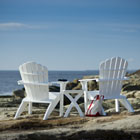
x=79, y=110
x=50, y=108
x=30, y=108
x=68, y=110
x=127, y=105
x=85, y=101
x=117, y=105
x=61, y=105
x=20, y=109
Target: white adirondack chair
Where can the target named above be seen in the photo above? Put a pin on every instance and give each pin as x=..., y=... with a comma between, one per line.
x=35, y=80
x=111, y=75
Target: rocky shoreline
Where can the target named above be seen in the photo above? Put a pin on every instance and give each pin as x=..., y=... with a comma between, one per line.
x=114, y=126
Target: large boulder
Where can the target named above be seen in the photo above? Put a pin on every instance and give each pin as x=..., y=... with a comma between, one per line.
x=137, y=94
x=71, y=85
x=93, y=85
x=135, y=73
x=130, y=87
x=54, y=88
x=133, y=83
x=130, y=94
x=135, y=102
x=78, y=87
x=19, y=94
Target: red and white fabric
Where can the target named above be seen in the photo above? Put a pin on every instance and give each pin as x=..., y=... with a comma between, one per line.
x=95, y=106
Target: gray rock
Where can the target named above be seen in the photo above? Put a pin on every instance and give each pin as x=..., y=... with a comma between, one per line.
x=71, y=85
x=54, y=88
x=135, y=102
x=131, y=87
x=20, y=93
x=78, y=87
x=93, y=85
x=130, y=94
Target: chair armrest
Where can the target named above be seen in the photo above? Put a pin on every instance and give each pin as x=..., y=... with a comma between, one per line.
x=33, y=83
x=126, y=78
x=114, y=79
x=62, y=84
x=87, y=80
x=84, y=83
x=20, y=82
x=98, y=79
x=59, y=82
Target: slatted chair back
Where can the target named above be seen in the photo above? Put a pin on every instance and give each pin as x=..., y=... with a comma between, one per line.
x=112, y=71
x=32, y=74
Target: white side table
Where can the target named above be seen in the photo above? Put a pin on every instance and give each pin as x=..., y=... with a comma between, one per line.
x=73, y=101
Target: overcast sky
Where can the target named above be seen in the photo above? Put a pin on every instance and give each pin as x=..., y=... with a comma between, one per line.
x=69, y=34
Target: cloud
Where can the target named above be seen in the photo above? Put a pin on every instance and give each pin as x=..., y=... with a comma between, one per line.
x=16, y=25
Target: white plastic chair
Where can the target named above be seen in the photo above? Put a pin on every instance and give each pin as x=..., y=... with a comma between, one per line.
x=111, y=75
x=35, y=80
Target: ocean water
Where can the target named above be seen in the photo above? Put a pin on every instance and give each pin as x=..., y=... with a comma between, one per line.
x=8, y=79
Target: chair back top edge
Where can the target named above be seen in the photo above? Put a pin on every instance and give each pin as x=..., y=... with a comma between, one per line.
x=31, y=71
x=107, y=64
x=112, y=70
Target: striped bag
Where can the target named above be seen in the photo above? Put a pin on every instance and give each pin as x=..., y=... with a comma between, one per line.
x=95, y=106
